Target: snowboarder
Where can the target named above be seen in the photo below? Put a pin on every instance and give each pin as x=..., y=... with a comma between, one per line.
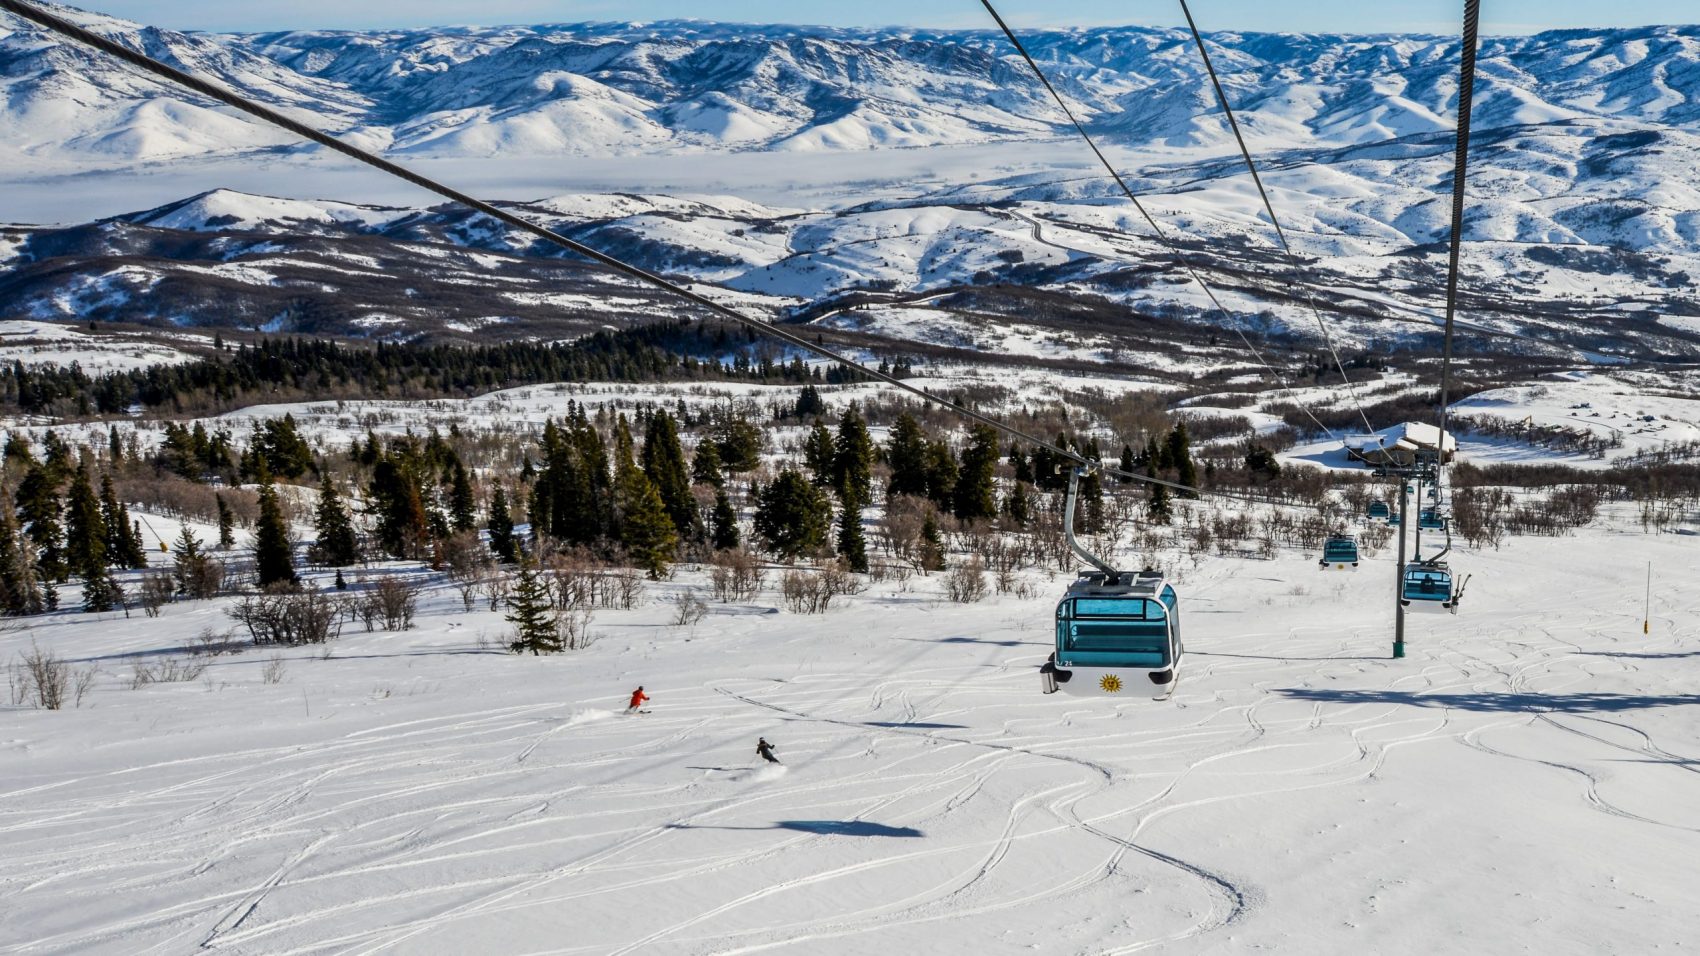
x=765, y=750
x=638, y=697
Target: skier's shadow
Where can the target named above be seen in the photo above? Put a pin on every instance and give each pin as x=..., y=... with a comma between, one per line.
x=858, y=828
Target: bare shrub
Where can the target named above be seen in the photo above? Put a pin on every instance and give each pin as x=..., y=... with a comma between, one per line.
x=736, y=576
x=1050, y=541
x=581, y=581
x=392, y=599
x=468, y=563
x=882, y=571
x=801, y=591
x=837, y=579
x=1005, y=558
x=178, y=497
x=289, y=618
x=576, y=580
x=688, y=610
x=213, y=642
x=156, y=591
x=966, y=583
x=272, y=673
x=626, y=588
x=496, y=586
x=901, y=529
x=811, y=592
x=574, y=629
x=43, y=680
x=166, y=671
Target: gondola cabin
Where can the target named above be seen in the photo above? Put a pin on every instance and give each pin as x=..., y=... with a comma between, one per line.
x=1116, y=635
x=1430, y=519
x=1380, y=511
x=1339, y=553
x=1428, y=586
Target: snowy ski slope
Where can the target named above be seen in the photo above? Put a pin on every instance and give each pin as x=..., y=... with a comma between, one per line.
x=1523, y=781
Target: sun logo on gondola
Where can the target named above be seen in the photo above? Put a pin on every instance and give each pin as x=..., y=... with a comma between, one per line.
x=1111, y=684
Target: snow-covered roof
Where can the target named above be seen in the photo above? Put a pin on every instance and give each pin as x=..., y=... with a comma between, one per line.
x=1427, y=436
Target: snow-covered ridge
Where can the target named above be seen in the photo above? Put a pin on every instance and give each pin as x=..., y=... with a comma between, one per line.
x=600, y=88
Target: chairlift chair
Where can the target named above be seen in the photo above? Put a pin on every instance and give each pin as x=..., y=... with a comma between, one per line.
x=1118, y=633
x=1339, y=553
x=1428, y=585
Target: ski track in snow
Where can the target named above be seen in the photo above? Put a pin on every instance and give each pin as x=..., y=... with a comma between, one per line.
x=929, y=792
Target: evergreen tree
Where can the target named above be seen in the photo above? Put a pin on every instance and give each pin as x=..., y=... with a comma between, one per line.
x=1262, y=464
x=809, y=403
x=1156, y=454
x=40, y=511
x=17, y=455
x=337, y=545
x=1018, y=462
x=572, y=497
x=1018, y=505
x=394, y=498
x=645, y=528
x=501, y=528
x=706, y=468
x=123, y=542
x=1127, y=464
x=191, y=566
x=1092, y=493
x=818, y=454
x=725, y=534
x=940, y=474
x=1158, y=507
x=57, y=458
x=852, y=547
x=853, y=457
x=532, y=614
x=273, y=563
x=226, y=524
x=792, y=516
x=664, y=464
x=1179, y=452
x=463, y=506
x=100, y=591
x=932, y=544
x=20, y=584
x=906, y=453
x=1044, y=470
x=85, y=528
x=277, y=448
x=974, y=496
x=740, y=444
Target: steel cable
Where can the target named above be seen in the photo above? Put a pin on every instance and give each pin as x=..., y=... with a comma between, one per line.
x=1460, y=166
x=1163, y=237
x=236, y=101
x=1281, y=234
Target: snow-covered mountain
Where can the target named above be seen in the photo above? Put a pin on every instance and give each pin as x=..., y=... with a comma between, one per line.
x=1584, y=216
x=1064, y=279
x=601, y=88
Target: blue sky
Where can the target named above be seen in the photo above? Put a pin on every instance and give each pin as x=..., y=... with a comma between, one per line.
x=1353, y=16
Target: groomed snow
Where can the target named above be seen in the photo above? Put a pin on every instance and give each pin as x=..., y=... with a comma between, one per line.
x=1522, y=781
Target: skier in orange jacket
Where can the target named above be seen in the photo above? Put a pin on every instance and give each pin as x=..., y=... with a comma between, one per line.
x=638, y=697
